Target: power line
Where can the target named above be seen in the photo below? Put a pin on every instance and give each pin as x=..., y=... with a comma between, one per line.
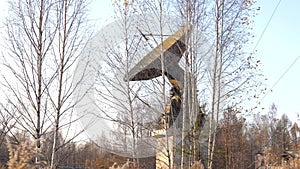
x=260, y=37
x=267, y=25
x=291, y=65
x=282, y=75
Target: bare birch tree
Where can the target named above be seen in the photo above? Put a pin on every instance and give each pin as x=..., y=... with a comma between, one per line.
x=44, y=39
x=157, y=8
x=232, y=67
x=72, y=34
x=29, y=42
x=116, y=95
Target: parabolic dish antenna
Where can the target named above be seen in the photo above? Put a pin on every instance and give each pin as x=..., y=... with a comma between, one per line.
x=108, y=113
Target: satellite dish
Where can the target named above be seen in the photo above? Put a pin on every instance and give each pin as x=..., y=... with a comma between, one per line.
x=172, y=50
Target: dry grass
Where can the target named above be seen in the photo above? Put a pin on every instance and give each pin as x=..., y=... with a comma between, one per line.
x=197, y=165
x=22, y=156
x=127, y=165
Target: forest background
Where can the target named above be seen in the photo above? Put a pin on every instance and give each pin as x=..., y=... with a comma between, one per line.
x=234, y=136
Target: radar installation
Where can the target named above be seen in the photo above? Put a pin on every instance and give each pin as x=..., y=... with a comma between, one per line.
x=171, y=50
x=150, y=67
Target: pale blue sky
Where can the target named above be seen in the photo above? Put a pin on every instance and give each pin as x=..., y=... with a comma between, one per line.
x=278, y=48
